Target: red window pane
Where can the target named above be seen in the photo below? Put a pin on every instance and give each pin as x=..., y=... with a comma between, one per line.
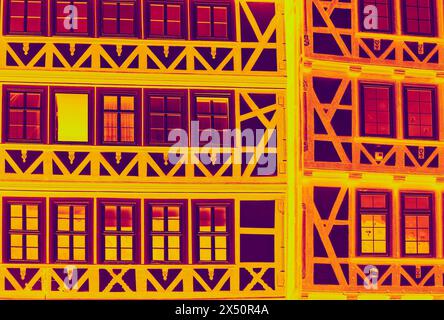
x=416, y=202
x=203, y=21
x=157, y=19
x=212, y=21
x=118, y=17
x=110, y=217
x=420, y=113
x=174, y=20
x=377, y=109
x=384, y=14
x=220, y=22
x=25, y=16
x=373, y=201
x=419, y=17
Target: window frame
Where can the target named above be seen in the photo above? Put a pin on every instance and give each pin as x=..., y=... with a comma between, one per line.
x=43, y=91
x=391, y=17
x=432, y=222
x=231, y=19
x=183, y=17
x=388, y=214
x=41, y=202
x=194, y=94
x=137, y=25
x=53, y=243
x=101, y=203
x=433, y=21
x=183, y=216
x=230, y=229
x=100, y=93
x=43, y=21
x=147, y=94
x=54, y=115
x=435, y=111
x=392, y=104
x=90, y=21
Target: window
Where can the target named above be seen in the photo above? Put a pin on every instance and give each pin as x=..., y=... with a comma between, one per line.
x=212, y=20
x=166, y=231
x=165, y=19
x=26, y=16
x=376, y=110
x=385, y=15
x=420, y=113
x=118, y=117
x=419, y=17
x=71, y=110
x=24, y=118
x=71, y=228
x=417, y=224
x=213, y=111
x=213, y=238
x=166, y=111
x=24, y=225
x=118, y=233
x=373, y=222
x=79, y=24
x=119, y=17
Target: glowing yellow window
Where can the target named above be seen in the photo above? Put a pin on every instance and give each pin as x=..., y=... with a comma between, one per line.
x=72, y=117
x=417, y=215
x=71, y=239
x=165, y=231
x=213, y=232
x=24, y=238
x=373, y=219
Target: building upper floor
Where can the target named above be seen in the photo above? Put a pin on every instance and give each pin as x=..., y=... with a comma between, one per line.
x=142, y=133
x=221, y=36
x=371, y=122
x=385, y=32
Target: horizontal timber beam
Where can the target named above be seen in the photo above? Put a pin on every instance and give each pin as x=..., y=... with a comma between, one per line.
x=140, y=79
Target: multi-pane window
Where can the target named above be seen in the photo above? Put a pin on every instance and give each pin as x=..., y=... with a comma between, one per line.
x=376, y=110
x=71, y=16
x=212, y=112
x=24, y=115
x=420, y=112
x=71, y=231
x=165, y=112
x=213, y=232
x=165, y=18
x=119, y=17
x=417, y=223
x=24, y=227
x=373, y=222
x=26, y=16
x=212, y=20
x=118, y=232
x=384, y=16
x=165, y=231
x=419, y=17
x=119, y=121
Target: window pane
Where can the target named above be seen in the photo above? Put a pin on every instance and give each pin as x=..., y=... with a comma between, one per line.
x=72, y=117
x=420, y=113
